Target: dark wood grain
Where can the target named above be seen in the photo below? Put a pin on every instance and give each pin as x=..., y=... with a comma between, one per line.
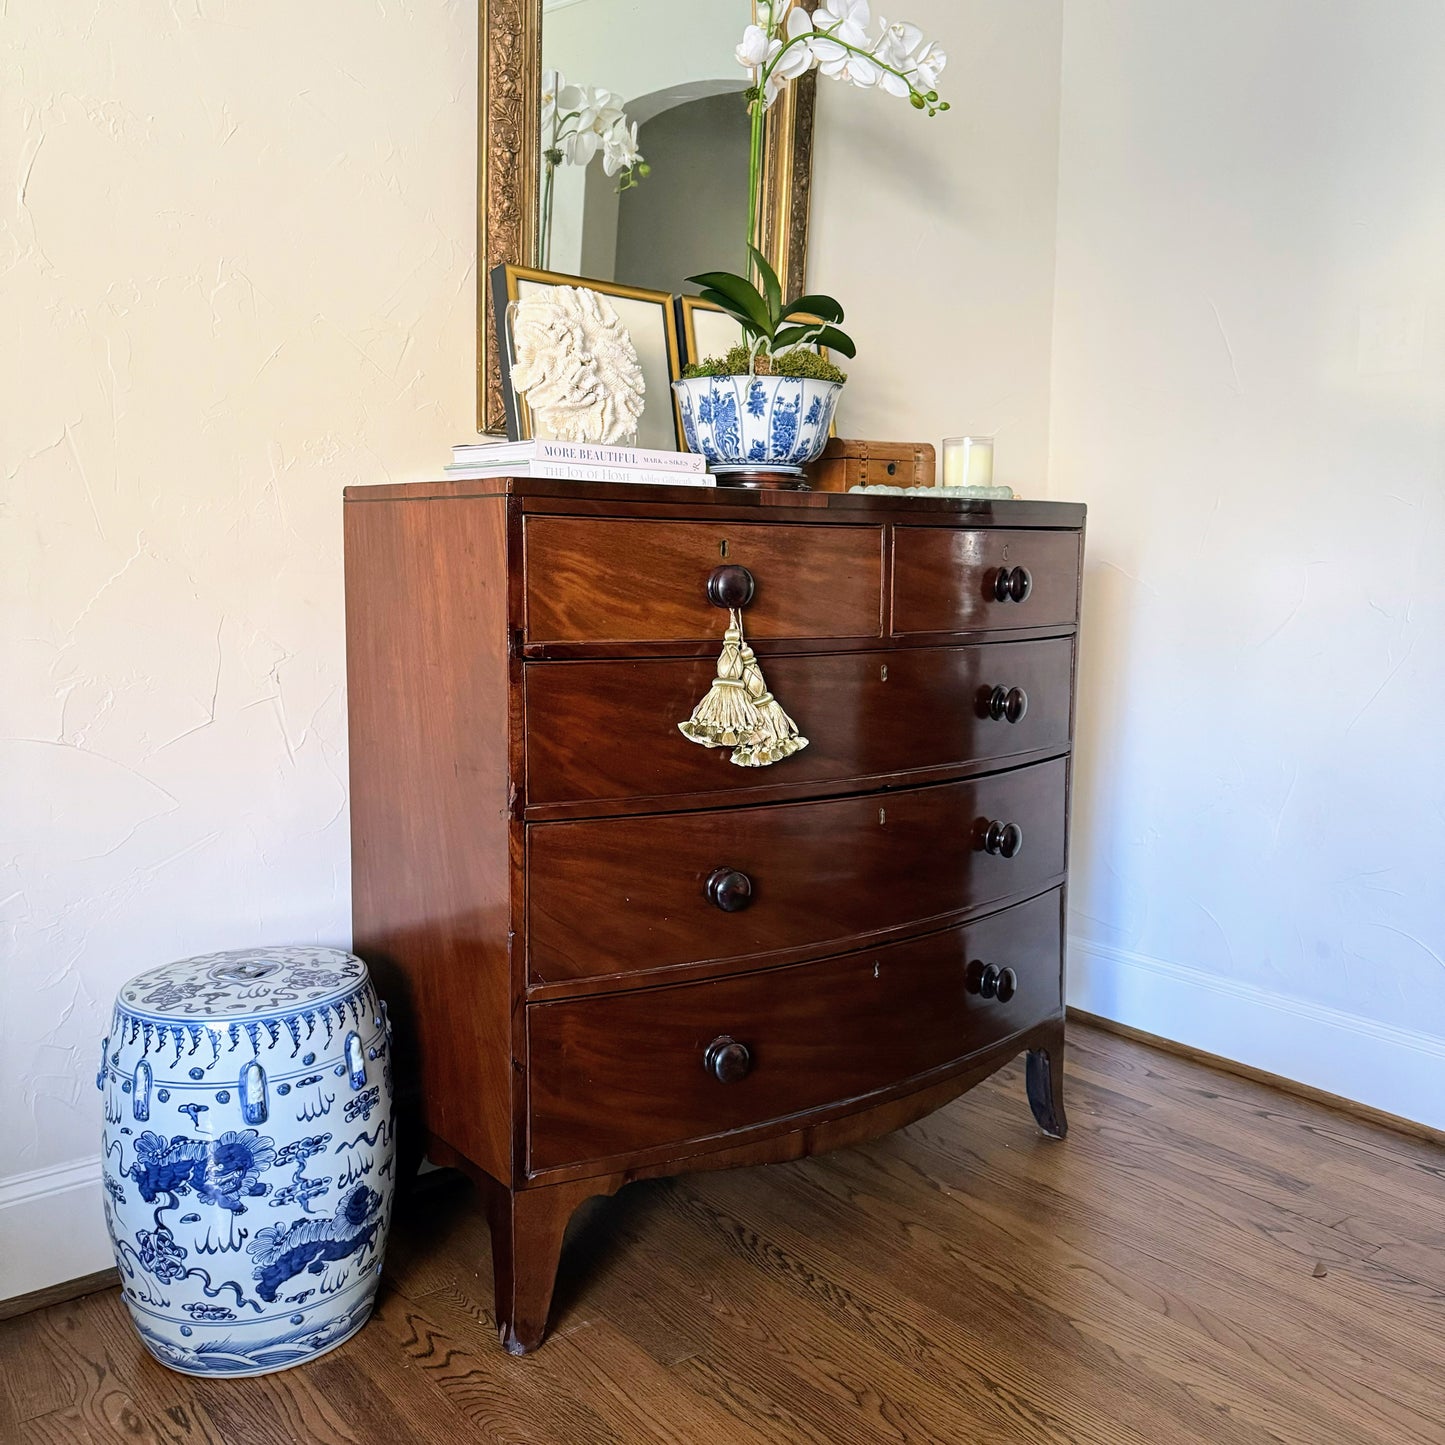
x=623, y=1072
x=634, y=581
x=821, y=874
x=519, y=657
x=430, y=794
x=944, y=578
x=865, y=714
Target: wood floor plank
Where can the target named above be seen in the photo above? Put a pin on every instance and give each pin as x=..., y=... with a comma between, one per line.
x=62, y=1427
x=1313, y=1381
x=1205, y=1261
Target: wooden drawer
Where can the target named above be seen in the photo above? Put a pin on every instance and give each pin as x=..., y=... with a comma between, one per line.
x=607, y=731
x=622, y=581
x=945, y=579
x=620, y=1073
x=626, y=895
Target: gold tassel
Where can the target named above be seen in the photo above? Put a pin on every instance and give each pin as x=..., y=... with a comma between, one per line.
x=726, y=716
x=777, y=736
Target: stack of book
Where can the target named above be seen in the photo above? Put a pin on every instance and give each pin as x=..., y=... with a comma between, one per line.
x=577, y=462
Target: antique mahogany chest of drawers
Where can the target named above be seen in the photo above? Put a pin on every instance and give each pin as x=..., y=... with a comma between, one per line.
x=612, y=953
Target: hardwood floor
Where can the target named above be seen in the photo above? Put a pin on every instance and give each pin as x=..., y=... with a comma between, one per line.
x=1205, y=1259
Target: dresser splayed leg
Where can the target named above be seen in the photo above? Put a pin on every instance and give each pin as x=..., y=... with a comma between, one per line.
x=1045, y=1081
x=527, y=1231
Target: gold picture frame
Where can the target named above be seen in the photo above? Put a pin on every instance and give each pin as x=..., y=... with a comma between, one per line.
x=658, y=349
x=509, y=79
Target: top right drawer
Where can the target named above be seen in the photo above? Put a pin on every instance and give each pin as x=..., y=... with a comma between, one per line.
x=951, y=579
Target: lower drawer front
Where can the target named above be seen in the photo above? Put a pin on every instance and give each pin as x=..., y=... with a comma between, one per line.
x=621, y=1073
x=599, y=731
x=624, y=895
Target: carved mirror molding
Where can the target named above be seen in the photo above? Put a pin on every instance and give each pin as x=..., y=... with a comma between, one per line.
x=509, y=37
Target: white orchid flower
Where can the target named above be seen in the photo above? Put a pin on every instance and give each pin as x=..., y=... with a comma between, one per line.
x=860, y=71
x=898, y=42
x=756, y=48
x=848, y=20
x=619, y=148
x=793, y=60
x=580, y=146
x=894, y=53
x=552, y=83
x=928, y=66
x=799, y=22
x=895, y=47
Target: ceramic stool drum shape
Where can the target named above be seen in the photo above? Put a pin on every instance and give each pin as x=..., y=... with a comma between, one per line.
x=249, y=1155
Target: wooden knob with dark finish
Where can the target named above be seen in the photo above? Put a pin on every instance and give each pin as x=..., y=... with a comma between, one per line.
x=730, y=586
x=988, y=980
x=1012, y=584
x=727, y=1060
x=1007, y=985
x=729, y=889
x=1008, y=703
x=1003, y=839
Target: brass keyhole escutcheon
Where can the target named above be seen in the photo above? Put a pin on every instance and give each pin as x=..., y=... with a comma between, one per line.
x=722, y=548
x=883, y=673
x=882, y=817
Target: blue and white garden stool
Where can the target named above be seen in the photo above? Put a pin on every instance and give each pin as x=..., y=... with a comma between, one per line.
x=249, y=1157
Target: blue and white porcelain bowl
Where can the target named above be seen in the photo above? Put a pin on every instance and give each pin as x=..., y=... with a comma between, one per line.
x=757, y=421
x=249, y=1156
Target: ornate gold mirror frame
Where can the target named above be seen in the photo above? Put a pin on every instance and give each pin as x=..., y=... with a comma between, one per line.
x=508, y=112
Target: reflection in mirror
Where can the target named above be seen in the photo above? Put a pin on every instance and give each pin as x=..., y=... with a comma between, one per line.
x=643, y=173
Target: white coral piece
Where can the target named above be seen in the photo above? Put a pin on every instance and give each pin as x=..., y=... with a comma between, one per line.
x=575, y=362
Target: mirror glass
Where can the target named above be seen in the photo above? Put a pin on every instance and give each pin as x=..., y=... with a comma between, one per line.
x=668, y=70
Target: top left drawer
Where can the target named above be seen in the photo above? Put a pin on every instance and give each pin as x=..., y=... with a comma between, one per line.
x=594, y=580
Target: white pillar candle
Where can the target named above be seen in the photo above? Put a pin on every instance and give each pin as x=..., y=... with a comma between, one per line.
x=968, y=461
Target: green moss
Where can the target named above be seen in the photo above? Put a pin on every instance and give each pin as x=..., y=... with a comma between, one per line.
x=797, y=362
x=802, y=362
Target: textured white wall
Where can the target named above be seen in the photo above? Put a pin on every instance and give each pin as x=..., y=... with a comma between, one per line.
x=1249, y=393
x=937, y=235
x=236, y=274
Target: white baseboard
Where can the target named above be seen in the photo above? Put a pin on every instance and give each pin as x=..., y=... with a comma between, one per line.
x=52, y=1227
x=1397, y=1070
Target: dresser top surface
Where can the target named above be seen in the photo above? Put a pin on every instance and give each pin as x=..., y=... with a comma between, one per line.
x=546, y=494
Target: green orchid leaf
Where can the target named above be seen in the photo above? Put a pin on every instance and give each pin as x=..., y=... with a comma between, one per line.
x=825, y=308
x=716, y=298
x=749, y=326
x=796, y=336
x=743, y=296
x=836, y=340
x=772, y=289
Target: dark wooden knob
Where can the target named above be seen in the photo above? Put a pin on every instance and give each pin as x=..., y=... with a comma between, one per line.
x=988, y=981
x=729, y=889
x=727, y=1060
x=730, y=586
x=1010, y=703
x=1003, y=839
x=1007, y=985
x=1012, y=584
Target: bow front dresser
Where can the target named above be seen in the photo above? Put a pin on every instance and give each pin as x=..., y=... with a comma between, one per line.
x=612, y=953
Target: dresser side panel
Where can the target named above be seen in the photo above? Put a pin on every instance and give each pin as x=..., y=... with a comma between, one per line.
x=427, y=674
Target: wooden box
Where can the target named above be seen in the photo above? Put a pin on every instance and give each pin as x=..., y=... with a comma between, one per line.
x=848, y=463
